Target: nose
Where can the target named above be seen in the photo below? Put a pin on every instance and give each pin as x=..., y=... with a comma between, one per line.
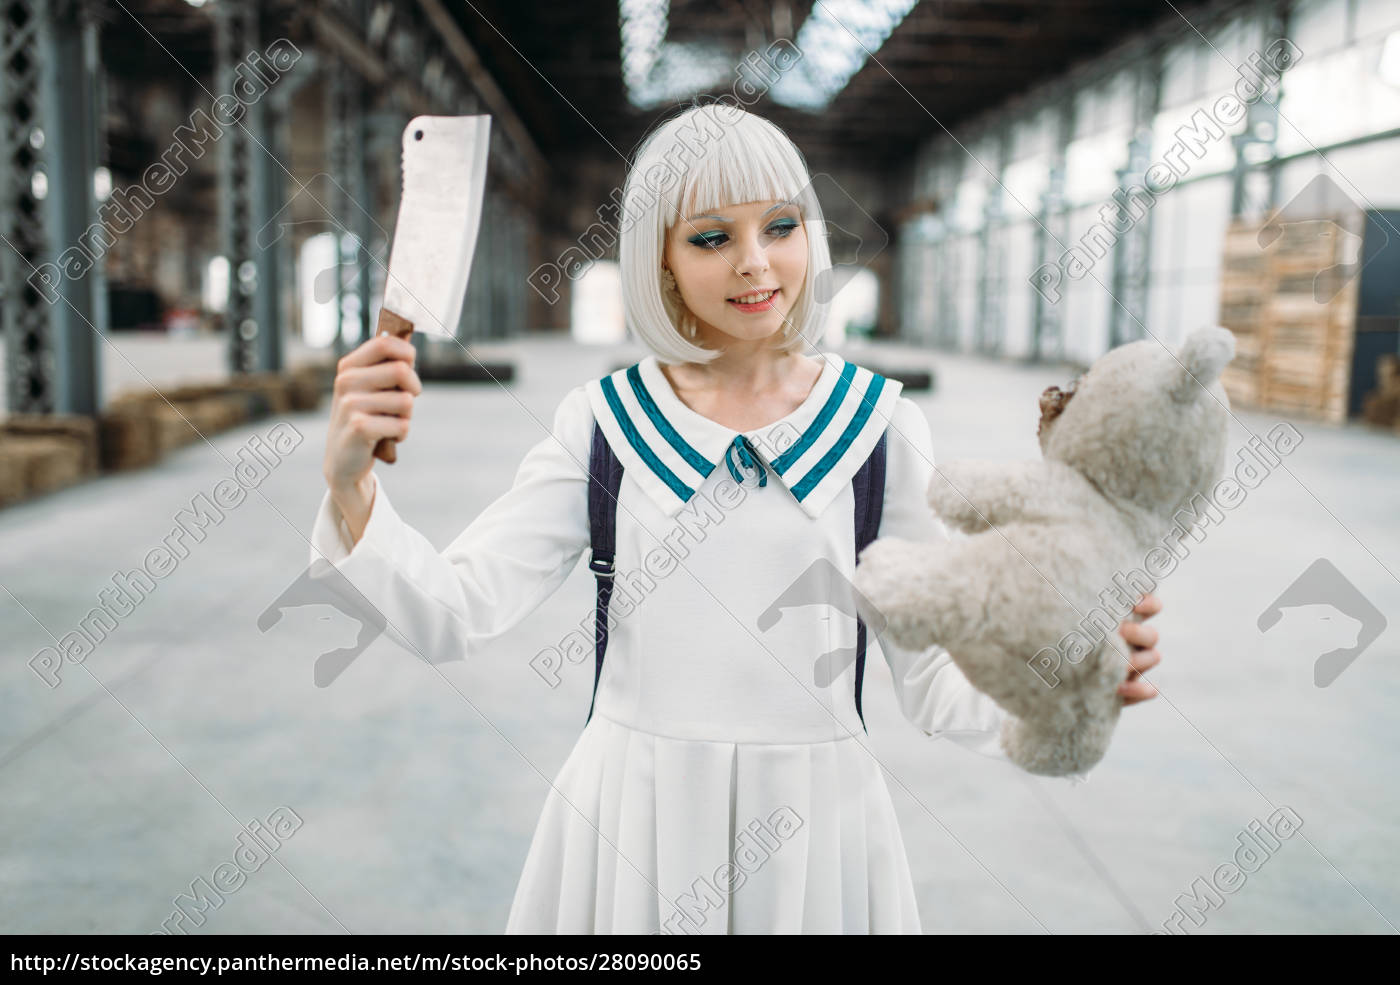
x=753, y=258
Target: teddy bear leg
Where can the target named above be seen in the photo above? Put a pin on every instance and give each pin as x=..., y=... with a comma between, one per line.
x=1060, y=743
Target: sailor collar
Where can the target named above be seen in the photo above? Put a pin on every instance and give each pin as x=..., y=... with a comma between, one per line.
x=670, y=449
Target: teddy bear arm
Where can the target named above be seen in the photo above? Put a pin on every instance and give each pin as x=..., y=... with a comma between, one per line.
x=972, y=495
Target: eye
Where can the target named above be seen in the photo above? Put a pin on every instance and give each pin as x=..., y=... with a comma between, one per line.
x=781, y=229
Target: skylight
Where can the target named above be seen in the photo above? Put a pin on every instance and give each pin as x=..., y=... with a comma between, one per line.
x=657, y=71
x=835, y=41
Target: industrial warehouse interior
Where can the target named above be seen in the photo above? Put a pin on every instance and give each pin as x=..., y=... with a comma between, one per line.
x=1092, y=288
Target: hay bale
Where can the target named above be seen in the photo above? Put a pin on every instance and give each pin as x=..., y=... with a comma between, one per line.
x=1388, y=372
x=266, y=393
x=127, y=437
x=184, y=422
x=36, y=465
x=13, y=482
x=309, y=382
x=171, y=425
x=191, y=391
x=76, y=427
x=1382, y=405
x=259, y=394
x=222, y=410
x=211, y=408
x=177, y=416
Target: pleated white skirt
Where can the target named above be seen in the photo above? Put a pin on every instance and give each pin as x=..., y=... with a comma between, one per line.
x=643, y=834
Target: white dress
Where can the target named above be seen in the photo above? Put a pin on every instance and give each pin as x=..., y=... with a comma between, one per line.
x=724, y=783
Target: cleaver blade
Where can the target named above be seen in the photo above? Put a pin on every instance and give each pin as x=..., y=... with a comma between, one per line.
x=444, y=178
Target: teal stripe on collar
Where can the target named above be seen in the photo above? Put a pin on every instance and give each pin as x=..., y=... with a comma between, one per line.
x=634, y=438
x=819, y=471
x=814, y=430
x=693, y=458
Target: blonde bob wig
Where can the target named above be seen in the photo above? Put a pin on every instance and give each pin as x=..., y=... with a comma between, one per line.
x=706, y=157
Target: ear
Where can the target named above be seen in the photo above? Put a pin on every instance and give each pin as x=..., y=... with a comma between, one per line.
x=1202, y=357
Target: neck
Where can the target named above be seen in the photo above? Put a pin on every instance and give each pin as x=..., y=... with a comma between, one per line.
x=743, y=365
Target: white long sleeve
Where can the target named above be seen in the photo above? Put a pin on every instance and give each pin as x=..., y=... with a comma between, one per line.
x=441, y=605
x=933, y=692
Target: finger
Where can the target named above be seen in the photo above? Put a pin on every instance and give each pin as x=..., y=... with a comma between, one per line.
x=378, y=349
x=1134, y=691
x=1144, y=660
x=391, y=403
x=393, y=374
x=1137, y=635
x=375, y=427
x=1148, y=605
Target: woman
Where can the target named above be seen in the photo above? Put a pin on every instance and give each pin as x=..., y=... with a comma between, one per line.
x=723, y=782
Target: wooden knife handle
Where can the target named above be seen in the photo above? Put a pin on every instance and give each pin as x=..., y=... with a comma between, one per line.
x=391, y=324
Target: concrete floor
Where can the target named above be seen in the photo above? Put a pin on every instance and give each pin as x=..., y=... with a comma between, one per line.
x=419, y=786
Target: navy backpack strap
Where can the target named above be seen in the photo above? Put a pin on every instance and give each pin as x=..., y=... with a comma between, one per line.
x=604, y=480
x=869, y=488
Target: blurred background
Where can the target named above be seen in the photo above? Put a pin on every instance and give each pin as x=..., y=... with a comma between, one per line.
x=197, y=201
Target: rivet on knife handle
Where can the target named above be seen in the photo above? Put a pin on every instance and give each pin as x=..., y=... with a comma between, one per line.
x=391, y=324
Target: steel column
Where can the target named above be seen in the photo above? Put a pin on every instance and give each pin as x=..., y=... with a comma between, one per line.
x=991, y=259
x=24, y=314
x=68, y=41
x=251, y=191
x=1051, y=232
x=1132, y=252
x=51, y=311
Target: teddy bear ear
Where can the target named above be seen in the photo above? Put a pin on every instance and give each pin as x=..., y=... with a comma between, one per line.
x=1201, y=359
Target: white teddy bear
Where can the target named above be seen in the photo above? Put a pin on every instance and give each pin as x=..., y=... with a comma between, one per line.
x=1126, y=447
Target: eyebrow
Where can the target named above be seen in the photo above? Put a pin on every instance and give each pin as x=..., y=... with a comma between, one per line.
x=707, y=215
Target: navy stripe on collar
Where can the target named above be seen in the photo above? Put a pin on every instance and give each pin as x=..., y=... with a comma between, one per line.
x=693, y=458
x=640, y=446
x=833, y=455
x=814, y=430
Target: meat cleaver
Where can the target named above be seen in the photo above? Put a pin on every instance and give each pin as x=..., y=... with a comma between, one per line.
x=444, y=176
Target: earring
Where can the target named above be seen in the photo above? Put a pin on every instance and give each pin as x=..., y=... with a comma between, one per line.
x=668, y=280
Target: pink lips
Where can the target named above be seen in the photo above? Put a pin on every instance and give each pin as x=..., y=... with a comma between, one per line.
x=760, y=306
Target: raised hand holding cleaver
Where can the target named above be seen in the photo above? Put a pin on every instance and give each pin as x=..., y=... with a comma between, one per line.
x=444, y=177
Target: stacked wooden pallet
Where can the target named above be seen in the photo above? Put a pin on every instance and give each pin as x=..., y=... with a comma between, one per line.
x=1290, y=297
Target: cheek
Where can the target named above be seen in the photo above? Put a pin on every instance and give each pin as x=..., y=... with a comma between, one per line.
x=792, y=252
x=791, y=264
x=704, y=279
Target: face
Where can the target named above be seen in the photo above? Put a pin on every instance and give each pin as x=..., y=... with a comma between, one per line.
x=720, y=255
